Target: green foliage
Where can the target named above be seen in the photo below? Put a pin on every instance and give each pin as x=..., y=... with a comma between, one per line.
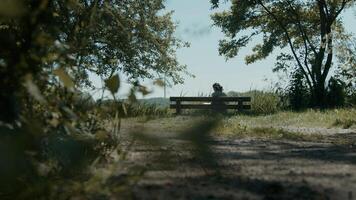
x=346, y=54
x=35, y=155
x=298, y=93
x=336, y=93
x=346, y=72
x=351, y=98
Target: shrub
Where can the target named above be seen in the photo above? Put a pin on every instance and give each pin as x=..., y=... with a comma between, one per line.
x=350, y=91
x=298, y=93
x=264, y=102
x=351, y=98
x=336, y=93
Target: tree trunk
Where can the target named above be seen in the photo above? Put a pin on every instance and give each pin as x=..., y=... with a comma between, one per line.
x=319, y=95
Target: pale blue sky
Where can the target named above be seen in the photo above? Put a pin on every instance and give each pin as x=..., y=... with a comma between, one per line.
x=203, y=60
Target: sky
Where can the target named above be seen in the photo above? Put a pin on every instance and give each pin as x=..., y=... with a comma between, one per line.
x=203, y=60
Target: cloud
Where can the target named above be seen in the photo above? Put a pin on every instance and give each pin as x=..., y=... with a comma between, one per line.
x=197, y=30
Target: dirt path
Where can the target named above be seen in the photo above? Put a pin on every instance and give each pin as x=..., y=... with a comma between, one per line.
x=249, y=169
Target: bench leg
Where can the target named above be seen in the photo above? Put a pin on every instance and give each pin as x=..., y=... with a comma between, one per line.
x=240, y=106
x=178, y=108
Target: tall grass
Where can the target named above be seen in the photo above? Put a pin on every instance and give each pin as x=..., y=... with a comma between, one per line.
x=137, y=109
x=341, y=118
x=262, y=102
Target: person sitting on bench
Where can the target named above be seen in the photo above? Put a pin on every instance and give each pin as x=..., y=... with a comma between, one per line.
x=218, y=92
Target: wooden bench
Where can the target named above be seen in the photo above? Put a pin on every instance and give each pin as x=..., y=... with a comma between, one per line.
x=237, y=103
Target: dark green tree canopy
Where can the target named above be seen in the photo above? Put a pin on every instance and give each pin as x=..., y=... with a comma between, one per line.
x=131, y=36
x=69, y=39
x=309, y=29
x=135, y=37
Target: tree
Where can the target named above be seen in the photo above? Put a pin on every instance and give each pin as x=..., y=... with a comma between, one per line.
x=82, y=36
x=310, y=29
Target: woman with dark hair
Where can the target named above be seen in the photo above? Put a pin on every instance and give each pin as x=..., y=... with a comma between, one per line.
x=218, y=90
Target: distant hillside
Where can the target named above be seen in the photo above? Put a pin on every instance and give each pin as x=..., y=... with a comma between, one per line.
x=159, y=101
x=250, y=93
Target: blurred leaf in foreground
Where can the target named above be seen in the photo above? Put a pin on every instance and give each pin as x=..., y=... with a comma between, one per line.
x=200, y=137
x=144, y=91
x=113, y=83
x=132, y=96
x=33, y=89
x=197, y=140
x=64, y=77
x=12, y=8
x=160, y=145
x=159, y=82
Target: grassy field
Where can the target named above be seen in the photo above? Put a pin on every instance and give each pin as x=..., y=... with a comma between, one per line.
x=310, y=125
x=335, y=118
x=344, y=118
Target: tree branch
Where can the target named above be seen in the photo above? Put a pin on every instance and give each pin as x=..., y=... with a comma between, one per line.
x=288, y=39
x=331, y=20
x=329, y=58
x=323, y=36
x=305, y=40
x=327, y=66
x=344, y=2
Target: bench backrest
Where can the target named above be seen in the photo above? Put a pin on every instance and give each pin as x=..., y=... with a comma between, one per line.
x=184, y=103
x=209, y=99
